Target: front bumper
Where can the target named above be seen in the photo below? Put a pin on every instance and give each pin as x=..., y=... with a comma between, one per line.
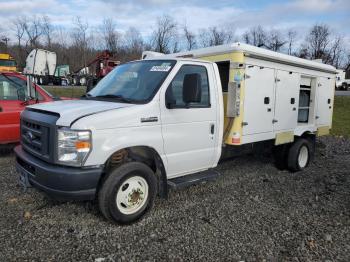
x=58, y=182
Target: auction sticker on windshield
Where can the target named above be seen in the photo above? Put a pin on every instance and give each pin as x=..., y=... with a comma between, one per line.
x=161, y=68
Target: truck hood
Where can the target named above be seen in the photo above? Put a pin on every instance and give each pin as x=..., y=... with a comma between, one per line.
x=71, y=110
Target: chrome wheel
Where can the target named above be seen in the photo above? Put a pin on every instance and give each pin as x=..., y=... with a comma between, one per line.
x=303, y=156
x=132, y=195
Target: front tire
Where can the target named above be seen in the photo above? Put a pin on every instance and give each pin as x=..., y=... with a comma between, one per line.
x=128, y=193
x=300, y=154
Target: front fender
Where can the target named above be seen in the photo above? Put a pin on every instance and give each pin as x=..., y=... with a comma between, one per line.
x=108, y=141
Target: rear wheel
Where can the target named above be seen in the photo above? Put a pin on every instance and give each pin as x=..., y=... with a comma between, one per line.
x=300, y=154
x=128, y=193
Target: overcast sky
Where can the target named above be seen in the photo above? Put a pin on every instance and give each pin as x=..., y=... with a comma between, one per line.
x=141, y=14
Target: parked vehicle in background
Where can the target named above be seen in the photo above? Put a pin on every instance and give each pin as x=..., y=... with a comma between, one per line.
x=7, y=63
x=166, y=121
x=61, y=76
x=46, y=70
x=14, y=98
x=341, y=82
x=95, y=70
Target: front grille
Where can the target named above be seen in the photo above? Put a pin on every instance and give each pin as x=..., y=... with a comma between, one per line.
x=38, y=131
x=35, y=137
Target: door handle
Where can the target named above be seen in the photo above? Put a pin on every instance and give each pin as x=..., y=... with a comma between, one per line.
x=266, y=100
x=212, y=129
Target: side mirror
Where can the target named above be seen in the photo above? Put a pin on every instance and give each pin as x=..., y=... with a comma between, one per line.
x=192, y=91
x=170, y=100
x=21, y=95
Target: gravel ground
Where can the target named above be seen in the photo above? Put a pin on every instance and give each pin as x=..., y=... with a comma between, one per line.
x=253, y=212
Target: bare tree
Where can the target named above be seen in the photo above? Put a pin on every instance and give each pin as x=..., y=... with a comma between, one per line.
x=61, y=36
x=47, y=29
x=275, y=41
x=80, y=39
x=291, y=36
x=133, y=44
x=110, y=35
x=255, y=36
x=19, y=29
x=164, y=37
x=336, y=51
x=214, y=36
x=33, y=29
x=347, y=64
x=318, y=41
x=190, y=38
x=321, y=43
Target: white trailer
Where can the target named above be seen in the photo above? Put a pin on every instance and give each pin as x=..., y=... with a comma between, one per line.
x=166, y=121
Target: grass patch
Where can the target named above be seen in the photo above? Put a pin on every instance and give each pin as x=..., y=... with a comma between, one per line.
x=341, y=116
x=75, y=91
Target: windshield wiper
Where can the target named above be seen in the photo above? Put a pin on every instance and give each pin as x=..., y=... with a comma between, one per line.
x=116, y=97
x=86, y=95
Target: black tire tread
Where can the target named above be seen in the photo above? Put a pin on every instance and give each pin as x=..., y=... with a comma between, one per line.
x=113, y=178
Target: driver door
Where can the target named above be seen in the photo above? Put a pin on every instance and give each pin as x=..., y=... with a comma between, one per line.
x=12, y=93
x=189, y=127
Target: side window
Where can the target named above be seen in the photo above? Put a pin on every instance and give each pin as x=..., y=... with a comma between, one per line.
x=9, y=90
x=14, y=88
x=189, y=75
x=23, y=84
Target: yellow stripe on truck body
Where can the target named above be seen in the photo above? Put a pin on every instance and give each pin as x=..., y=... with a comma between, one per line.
x=234, y=134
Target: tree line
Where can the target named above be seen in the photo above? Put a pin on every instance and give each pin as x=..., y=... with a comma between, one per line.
x=81, y=43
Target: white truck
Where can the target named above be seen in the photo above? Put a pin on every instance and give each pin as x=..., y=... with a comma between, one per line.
x=341, y=83
x=165, y=121
x=41, y=66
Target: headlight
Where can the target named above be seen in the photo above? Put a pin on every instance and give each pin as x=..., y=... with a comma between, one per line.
x=73, y=146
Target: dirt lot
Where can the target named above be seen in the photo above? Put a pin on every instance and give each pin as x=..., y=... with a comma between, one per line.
x=252, y=212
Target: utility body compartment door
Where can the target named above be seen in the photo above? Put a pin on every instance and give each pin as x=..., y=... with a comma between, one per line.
x=324, y=96
x=189, y=130
x=258, y=100
x=286, y=100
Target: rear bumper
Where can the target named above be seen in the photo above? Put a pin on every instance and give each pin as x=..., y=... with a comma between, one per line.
x=59, y=182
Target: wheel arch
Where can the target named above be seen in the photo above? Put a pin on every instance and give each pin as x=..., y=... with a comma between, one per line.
x=145, y=154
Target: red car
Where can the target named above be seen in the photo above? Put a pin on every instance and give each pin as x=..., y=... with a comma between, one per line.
x=13, y=99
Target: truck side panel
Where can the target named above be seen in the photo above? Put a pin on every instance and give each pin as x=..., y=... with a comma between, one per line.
x=324, y=97
x=286, y=100
x=258, y=100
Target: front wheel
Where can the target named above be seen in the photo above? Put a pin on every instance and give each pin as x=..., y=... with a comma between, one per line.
x=128, y=193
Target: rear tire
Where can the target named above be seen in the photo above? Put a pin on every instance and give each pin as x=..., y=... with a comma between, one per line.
x=127, y=193
x=344, y=87
x=300, y=153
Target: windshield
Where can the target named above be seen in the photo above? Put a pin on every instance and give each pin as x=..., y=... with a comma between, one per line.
x=7, y=63
x=133, y=82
